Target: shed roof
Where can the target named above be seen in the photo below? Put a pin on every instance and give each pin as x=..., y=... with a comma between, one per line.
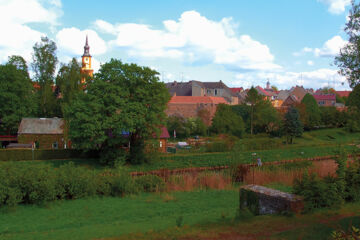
x=41, y=126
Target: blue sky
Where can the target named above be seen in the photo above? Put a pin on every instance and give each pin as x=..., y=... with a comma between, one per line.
x=242, y=43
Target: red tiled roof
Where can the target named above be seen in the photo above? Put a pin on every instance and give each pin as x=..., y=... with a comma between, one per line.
x=197, y=99
x=263, y=91
x=235, y=90
x=325, y=97
x=343, y=93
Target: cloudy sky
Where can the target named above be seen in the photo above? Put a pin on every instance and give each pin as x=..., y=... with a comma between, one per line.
x=242, y=43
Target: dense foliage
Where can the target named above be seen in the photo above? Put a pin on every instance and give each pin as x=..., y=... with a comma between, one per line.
x=16, y=95
x=311, y=116
x=331, y=191
x=349, y=58
x=292, y=125
x=124, y=104
x=44, y=66
x=184, y=128
x=68, y=82
x=41, y=183
x=227, y=121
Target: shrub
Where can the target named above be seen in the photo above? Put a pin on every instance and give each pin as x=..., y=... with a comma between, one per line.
x=150, y=183
x=352, y=180
x=318, y=193
x=36, y=184
x=75, y=182
x=122, y=184
x=114, y=156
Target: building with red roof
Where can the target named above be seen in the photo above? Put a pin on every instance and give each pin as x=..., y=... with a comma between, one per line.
x=237, y=90
x=325, y=99
x=193, y=106
x=343, y=93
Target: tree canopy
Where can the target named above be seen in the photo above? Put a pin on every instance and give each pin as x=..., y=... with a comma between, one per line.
x=252, y=98
x=349, y=58
x=16, y=94
x=292, y=124
x=124, y=103
x=68, y=81
x=227, y=121
x=44, y=66
x=311, y=115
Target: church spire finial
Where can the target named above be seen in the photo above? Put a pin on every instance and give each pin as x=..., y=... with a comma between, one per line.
x=86, y=48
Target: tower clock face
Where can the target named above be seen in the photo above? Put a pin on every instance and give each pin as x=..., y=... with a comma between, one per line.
x=86, y=59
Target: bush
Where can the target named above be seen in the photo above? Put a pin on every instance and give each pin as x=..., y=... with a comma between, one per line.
x=75, y=182
x=113, y=156
x=150, y=183
x=352, y=180
x=35, y=184
x=319, y=193
x=123, y=184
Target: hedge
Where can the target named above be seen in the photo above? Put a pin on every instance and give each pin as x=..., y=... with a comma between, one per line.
x=43, y=154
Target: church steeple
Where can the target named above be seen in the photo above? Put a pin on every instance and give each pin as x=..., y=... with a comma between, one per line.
x=86, y=70
x=86, y=48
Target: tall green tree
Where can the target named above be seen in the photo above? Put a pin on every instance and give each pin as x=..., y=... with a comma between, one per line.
x=292, y=125
x=123, y=99
x=68, y=82
x=354, y=98
x=311, y=116
x=348, y=59
x=44, y=66
x=227, y=121
x=16, y=94
x=252, y=98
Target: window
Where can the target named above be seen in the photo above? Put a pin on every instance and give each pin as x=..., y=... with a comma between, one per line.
x=55, y=145
x=160, y=143
x=215, y=92
x=208, y=91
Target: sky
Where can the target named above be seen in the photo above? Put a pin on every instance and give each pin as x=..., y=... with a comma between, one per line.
x=243, y=43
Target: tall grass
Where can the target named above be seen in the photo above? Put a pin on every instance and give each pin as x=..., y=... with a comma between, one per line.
x=287, y=173
x=200, y=181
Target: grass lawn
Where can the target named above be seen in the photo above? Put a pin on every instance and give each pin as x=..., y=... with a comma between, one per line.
x=107, y=217
x=315, y=226
x=200, y=215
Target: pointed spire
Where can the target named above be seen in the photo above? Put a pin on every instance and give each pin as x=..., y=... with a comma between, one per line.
x=86, y=48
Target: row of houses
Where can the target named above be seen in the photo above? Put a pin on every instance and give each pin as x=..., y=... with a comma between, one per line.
x=190, y=99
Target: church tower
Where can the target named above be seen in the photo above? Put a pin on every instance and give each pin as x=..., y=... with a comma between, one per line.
x=86, y=69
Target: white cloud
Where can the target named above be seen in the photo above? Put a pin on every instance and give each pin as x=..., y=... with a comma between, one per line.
x=17, y=38
x=331, y=47
x=310, y=63
x=72, y=41
x=336, y=6
x=193, y=38
x=285, y=80
x=104, y=26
